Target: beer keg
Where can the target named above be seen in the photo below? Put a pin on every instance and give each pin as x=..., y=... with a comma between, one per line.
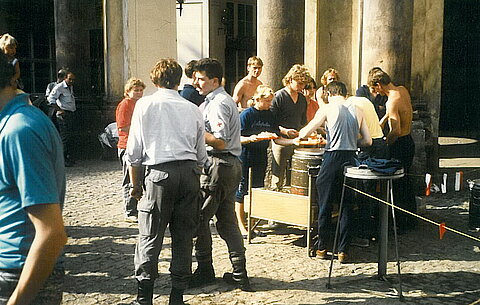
x=303, y=160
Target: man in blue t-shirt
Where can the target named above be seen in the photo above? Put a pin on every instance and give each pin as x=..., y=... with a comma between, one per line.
x=32, y=190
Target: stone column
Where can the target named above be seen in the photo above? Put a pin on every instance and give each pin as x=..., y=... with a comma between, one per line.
x=280, y=37
x=71, y=41
x=387, y=38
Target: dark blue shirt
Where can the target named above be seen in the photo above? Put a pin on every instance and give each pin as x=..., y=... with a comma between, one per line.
x=255, y=121
x=190, y=93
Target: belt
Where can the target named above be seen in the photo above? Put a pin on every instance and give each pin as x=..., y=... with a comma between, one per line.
x=220, y=154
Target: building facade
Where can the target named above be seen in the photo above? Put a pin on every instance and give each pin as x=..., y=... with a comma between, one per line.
x=430, y=46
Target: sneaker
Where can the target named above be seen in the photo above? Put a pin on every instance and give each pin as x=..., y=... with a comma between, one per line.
x=342, y=258
x=131, y=219
x=322, y=254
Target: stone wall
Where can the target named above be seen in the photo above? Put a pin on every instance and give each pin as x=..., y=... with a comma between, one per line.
x=335, y=40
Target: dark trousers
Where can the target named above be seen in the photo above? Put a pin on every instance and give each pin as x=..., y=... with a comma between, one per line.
x=403, y=149
x=329, y=188
x=218, y=188
x=130, y=203
x=171, y=198
x=65, y=128
x=50, y=294
x=258, y=179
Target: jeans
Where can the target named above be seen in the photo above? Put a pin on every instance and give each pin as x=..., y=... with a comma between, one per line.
x=329, y=187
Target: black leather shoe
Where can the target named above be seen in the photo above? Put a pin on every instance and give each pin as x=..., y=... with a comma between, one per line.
x=203, y=276
x=176, y=297
x=145, y=292
x=242, y=283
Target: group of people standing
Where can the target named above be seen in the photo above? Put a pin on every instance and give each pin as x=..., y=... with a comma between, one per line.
x=184, y=163
x=365, y=124
x=183, y=169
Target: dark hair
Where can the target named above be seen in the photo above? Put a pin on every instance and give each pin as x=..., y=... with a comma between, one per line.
x=311, y=84
x=7, y=71
x=337, y=88
x=166, y=73
x=190, y=68
x=211, y=67
x=377, y=75
x=62, y=73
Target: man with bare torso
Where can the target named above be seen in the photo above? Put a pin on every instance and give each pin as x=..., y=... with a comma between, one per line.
x=399, y=141
x=246, y=87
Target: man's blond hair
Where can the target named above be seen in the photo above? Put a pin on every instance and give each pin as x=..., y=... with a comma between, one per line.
x=255, y=60
x=298, y=73
x=325, y=75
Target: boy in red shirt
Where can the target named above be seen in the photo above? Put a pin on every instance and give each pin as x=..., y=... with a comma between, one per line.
x=133, y=92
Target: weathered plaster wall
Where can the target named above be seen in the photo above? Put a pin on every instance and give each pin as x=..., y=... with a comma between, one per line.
x=151, y=36
x=114, y=48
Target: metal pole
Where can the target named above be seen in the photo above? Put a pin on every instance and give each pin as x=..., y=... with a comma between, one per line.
x=340, y=208
x=400, y=293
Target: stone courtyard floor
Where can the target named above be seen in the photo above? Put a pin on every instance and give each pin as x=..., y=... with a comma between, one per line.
x=99, y=257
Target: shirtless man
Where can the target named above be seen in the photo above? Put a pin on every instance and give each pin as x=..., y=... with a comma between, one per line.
x=246, y=87
x=399, y=141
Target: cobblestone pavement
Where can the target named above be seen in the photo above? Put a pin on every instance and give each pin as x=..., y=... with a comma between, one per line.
x=99, y=257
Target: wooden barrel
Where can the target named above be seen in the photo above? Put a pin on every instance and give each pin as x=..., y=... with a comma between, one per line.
x=304, y=159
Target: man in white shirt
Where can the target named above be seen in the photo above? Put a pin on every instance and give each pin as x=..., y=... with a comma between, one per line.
x=167, y=136
x=62, y=98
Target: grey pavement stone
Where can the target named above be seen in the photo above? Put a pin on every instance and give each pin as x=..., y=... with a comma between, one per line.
x=99, y=257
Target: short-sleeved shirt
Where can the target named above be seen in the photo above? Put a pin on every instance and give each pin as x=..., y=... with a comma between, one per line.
x=220, y=114
x=123, y=116
x=62, y=95
x=254, y=121
x=31, y=173
x=287, y=113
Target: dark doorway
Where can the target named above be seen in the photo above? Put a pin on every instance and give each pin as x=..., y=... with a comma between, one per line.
x=239, y=21
x=32, y=24
x=460, y=107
